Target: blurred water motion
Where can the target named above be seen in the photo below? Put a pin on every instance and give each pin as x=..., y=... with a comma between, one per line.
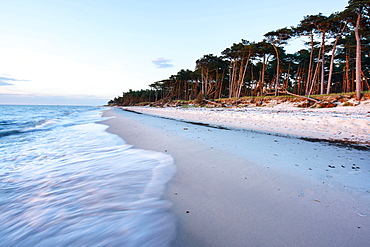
x=70, y=183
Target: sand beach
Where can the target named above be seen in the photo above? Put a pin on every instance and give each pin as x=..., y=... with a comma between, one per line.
x=246, y=177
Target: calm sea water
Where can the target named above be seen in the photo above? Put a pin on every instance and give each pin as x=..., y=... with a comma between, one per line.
x=65, y=181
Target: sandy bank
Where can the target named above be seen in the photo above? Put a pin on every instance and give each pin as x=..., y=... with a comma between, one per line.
x=241, y=188
x=351, y=124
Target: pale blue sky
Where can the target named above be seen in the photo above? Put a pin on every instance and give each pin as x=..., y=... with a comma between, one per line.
x=89, y=51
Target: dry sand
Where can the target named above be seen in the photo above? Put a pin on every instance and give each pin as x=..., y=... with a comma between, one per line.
x=242, y=188
x=350, y=124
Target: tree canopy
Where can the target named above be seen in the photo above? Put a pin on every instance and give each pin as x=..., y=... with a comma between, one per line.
x=335, y=60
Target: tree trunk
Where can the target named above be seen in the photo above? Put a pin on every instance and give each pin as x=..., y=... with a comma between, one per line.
x=332, y=59
x=364, y=81
x=322, y=63
x=298, y=80
x=314, y=79
x=347, y=82
x=277, y=69
x=202, y=78
x=358, y=59
x=263, y=72
x=286, y=82
x=244, y=71
x=310, y=65
x=232, y=79
x=309, y=98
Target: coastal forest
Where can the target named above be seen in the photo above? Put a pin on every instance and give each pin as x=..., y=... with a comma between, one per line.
x=335, y=59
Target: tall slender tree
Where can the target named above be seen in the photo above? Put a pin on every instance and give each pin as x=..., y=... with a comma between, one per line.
x=239, y=56
x=338, y=26
x=212, y=69
x=357, y=13
x=306, y=27
x=277, y=38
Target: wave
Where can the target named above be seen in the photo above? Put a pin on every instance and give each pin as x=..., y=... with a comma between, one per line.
x=66, y=181
x=5, y=123
x=27, y=127
x=42, y=124
x=9, y=133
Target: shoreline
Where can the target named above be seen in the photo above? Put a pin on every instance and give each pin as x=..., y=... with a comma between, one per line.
x=243, y=188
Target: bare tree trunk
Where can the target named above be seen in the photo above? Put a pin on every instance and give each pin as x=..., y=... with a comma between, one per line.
x=277, y=69
x=311, y=83
x=332, y=59
x=365, y=81
x=310, y=65
x=309, y=98
x=347, y=85
x=222, y=81
x=286, y=83
x=314, y=79
x=241, y=79
x=232, y=79
x=252, y=80
x=206, y=84
x=331, y=67
x=358, y=59
x=202, y=78
x=298, y=80
x=322, y=63
x=263, y=72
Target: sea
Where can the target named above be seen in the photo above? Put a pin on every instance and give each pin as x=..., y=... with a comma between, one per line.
x=65, y=181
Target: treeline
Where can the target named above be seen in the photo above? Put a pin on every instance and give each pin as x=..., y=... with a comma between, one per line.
x=336, y=60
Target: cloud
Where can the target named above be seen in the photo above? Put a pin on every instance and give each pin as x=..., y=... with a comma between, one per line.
x=4, y=81
x=162, y=63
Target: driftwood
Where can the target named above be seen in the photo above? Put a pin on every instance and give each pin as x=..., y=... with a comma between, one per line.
x=300, y=96
x=213, y=102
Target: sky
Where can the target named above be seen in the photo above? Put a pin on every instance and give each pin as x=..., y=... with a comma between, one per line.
x=86, y=52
